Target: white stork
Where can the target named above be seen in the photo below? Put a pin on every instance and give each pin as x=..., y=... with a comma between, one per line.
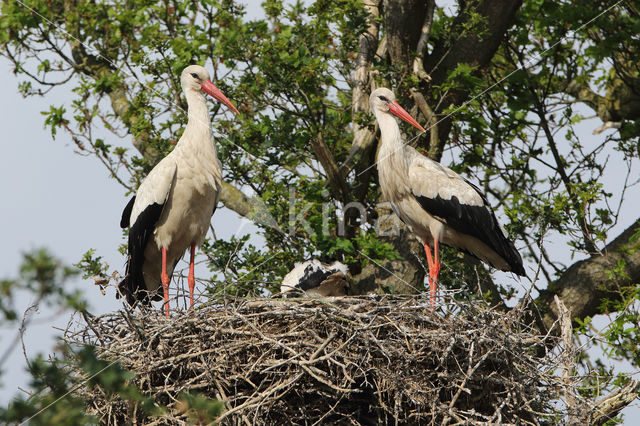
x=172, y=208
x=436, y=203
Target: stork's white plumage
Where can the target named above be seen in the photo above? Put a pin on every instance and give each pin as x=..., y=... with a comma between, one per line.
x=436, y=203
x=172, y=208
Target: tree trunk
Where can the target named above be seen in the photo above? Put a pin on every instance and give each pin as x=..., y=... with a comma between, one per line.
x=404, y=275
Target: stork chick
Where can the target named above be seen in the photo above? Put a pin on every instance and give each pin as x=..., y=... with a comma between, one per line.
x=316, y=279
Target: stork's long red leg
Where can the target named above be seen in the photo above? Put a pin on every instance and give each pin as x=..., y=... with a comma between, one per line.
x=432, y=278
x=436, y=269
x=191, y=279
x=165, y=281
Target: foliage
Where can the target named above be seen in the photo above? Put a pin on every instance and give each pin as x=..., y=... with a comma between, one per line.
x=52, y=399
x=43, y=277
x=53, y=403
x=200, y=409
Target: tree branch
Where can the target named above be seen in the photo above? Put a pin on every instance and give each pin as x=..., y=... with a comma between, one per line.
x=336, y=180
x=363, y=138
x=567, y=362
x=432, y=120
x=584, y=285
x=560, y=168
x=253, y=208
x=96, y=68
x=421, y=49
x=404, y=21
x=609, y=407
x=589, y=97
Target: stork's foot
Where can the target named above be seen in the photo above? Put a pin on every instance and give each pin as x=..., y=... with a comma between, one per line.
x=434, y=270
x=165, y=289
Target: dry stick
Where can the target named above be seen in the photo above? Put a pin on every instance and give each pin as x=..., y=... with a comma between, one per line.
x=377, y=329
x=567, y=364
x=262, y=396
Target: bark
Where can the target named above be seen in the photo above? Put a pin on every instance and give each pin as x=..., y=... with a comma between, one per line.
x=253, y=208
x=363, y=136
x=589, y=97
x=430, y=116
x=403, y=22
x=584, y=285
x=610, y=406
x=620, y=102
x=421, y=48
x=567, y=363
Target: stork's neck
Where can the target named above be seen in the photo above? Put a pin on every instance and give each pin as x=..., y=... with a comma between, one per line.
x=197, y=135
x=391, y=146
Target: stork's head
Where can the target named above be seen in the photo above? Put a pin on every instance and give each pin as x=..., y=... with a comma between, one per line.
x=382, y=100
x=195, y=77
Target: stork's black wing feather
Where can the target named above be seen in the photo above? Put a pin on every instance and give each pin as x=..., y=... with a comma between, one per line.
x=126, y=213
x=477, y=221
x=133, y=286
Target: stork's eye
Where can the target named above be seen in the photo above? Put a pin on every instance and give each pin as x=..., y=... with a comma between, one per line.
x=194, y=75
x=383, y=98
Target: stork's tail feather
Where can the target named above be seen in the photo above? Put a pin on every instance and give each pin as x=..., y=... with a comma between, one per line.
x=516, y=264
x=511, y=255
x=134, y=293
x=128, y=290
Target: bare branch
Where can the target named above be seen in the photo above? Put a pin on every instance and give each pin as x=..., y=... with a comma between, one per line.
x=421, y=49
x=610, y=406
x=560, y=168
x=432, y=121
x=336, y=180
x=567, y=362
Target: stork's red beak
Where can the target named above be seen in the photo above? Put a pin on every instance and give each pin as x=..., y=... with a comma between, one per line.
x=209, y=88
x=398, y=111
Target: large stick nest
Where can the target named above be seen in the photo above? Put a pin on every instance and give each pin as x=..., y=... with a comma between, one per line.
x=351, y=360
